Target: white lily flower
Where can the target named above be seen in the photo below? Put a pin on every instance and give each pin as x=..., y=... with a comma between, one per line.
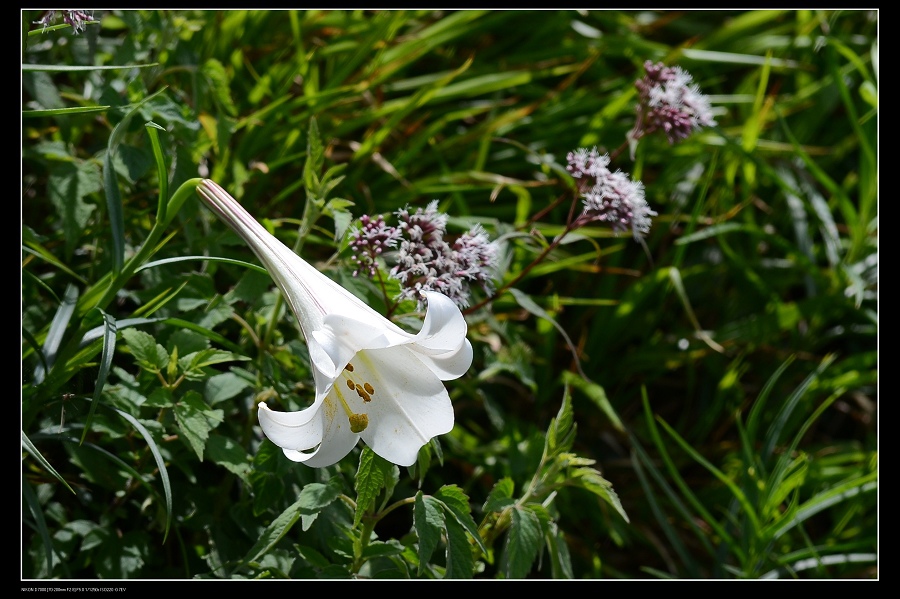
x=374, y=380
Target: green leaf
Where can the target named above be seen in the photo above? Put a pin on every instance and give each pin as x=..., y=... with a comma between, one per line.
x=160, y=465
x=227, y=453
x=39, y=520
x=222, y=387
x=29, y=446
x=561, y=433
x=265, y=479
x=111, y=183
x=217, y=78
x=342, y=220
x=162, y=175
x=596, y=394
x=160, y=398
x=57, y=329
x=591, y=480
x=109, y=348
x=428, y=521
x=523, y=543
x=315, y=497
x=827, y=498
x=460, y=562
x=315, y=157
x=190, y=414
x=122, y=556
x=369, y=482
x=247, y=265
x=62, y=111
x=275, y=531
x=193, y=364
x=558, y=551
x=67, y=187
x=456, y=502
x=501, y=496
x=149, y=354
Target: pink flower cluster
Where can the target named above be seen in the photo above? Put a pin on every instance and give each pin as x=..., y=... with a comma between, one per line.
x=424, y=260
x=75, y=18
x=613, y=197
x=669, y=101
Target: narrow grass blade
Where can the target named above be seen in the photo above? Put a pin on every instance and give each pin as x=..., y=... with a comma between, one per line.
x=39, y=521
x=29, y=446
x=106, y=356
x=57, y=329
x=160, y=464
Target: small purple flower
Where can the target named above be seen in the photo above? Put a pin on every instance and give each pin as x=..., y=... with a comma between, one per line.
x=613, y=198
x=669, y=101
x=75, y=18
x=369, y=241
x=472, y=252
x=424, y=259
x=586, y=163
x=619, y=202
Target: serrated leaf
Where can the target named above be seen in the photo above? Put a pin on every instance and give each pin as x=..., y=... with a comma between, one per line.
x=312, y=556
x=523, y=543
x=217, y=78
x=338, y=203
x=457, y=503
x=501, y=496
x=342, y=220
x=558, y=550
x=208, y=357
x=160, y=398
x=382, y=549
x=369, y=482
x=222, y=387
x=190, y=416
x=428, y=521
x=227, y=453
x=561, y=433
x=591, y=480
x=67, y=187
x=315, y=497
x=460, y=563
x=172, y=366
x=268, y=486
x=314, y=158
x=149, y=354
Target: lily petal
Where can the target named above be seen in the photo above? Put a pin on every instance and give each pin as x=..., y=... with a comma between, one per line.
x=444, y=324
x=408, y=404
x=292, y=430
x=373, y=379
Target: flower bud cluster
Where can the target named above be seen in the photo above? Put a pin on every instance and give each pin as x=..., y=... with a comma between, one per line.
x=369, y=241
x=612, y=197
x=75, y=18
x=669, y=101
x=424, y=260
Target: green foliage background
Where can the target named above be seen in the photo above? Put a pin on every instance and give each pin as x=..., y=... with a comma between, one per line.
x=729, y=406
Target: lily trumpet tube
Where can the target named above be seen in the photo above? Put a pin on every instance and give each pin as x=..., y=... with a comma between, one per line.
x=373, y=380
